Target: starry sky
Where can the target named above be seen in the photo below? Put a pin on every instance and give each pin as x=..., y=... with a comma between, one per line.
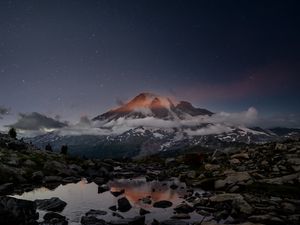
x=72, y=58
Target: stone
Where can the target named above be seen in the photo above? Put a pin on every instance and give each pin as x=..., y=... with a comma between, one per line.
x=287, y=179
x=103, y=188
x=37, y=176
x=50, y=215
x=117, y=193
x=91, y=220
x=240, y=178
x=146, y=200
x=6, y=188
x=184, y=208
x=162, y=204
x=240, y=156
x=173, y=222
x=143, y=211
x=138, y=220
x=52, y=179
x=234, y=161
x=94, y=212
x=212, y=167
x=124, y=205
x=53, y=204
x=99, y=180
x=17, y=211
x=181, y=216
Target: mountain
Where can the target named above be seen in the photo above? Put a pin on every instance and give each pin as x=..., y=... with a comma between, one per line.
x=150, y=123
x=148, y=104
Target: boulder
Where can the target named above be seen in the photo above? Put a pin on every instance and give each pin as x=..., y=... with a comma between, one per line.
x=37, y=176
x=234, y=178
x=138, y=220
x=17, y=211
x=212, y=167
x=91, y=220
x=162, y=204
x=124, y=205
x=6, y=188
x=94, y=212
x=53, y=204
x=184, y=208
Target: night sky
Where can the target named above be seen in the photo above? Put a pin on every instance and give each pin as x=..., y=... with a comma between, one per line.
x=66, y=59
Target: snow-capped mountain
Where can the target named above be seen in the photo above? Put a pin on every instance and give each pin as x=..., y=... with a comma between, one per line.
x=148, y=104
x=151, y=123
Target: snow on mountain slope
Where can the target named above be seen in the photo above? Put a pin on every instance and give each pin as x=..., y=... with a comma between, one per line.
x=150, y=123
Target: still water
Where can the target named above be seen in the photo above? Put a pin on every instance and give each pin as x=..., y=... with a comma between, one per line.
x=83, y=196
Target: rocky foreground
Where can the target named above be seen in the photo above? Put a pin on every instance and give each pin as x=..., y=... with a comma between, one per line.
x=249, y=185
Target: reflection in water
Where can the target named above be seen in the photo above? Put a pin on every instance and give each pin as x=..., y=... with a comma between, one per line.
x=83, y=196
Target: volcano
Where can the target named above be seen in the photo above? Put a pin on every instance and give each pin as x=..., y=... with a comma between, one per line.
x=149, y=104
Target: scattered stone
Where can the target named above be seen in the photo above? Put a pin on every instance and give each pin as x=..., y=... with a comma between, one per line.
x=174, y=222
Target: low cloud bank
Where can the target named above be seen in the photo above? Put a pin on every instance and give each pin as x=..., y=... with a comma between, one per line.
x=36, y=123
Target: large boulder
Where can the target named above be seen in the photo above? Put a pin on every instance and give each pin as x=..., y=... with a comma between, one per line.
x=53, y=204
x=162, y=204
x=17, y=211
x=124, y=205
x=234, y=178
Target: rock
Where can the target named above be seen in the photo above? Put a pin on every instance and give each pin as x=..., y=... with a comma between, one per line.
x=181, y=216
x=50, y=215
x=266, y=219
x=138, y=220
x=147, y=200
x=143, y=211
x=52, y=218
x=68, y=180
x=94, y=212
x=237, y=200
x=124, y=205
x=53, y=204
x=234, y=178
x=287, y=179
x=162, y=204
x=174, y=222
x=52, y=179
x=288, y=207
x=17, y=211
x=191, y=174
x=37, y=176
x=240, y=156
x=103, y=188
x=173, y=186
x=170, y=161
x=117, y=193
x=113, y=208
x=91, y=220
x=211, y=167
x=184, y=208
x=234, y=161
x=6, y=188
x=99, y=180
x=29, y=163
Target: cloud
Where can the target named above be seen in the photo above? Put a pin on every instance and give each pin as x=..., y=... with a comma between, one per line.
x=4, y=111
x=37, y=122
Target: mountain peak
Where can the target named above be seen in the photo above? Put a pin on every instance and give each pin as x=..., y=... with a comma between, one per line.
x=149, y=104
